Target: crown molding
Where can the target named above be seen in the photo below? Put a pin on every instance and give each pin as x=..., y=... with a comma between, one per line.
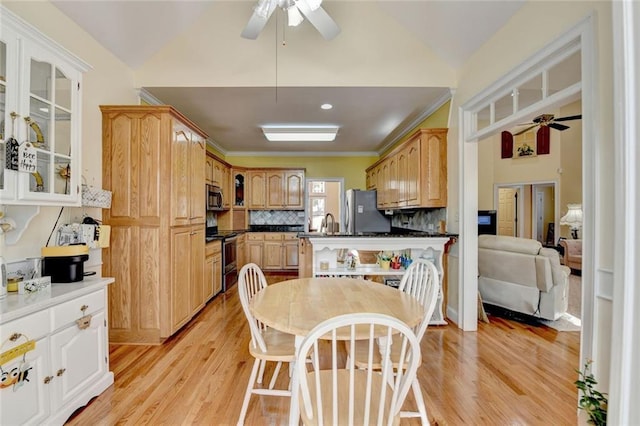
x=401, y=132
x=300, y=154
x=148, y=97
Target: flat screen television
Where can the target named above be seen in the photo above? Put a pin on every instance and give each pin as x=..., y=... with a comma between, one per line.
x=487, y=222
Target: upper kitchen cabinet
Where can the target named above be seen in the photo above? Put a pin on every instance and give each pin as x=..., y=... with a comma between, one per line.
x=414, y=174
x=145, y=150
x=40, y=117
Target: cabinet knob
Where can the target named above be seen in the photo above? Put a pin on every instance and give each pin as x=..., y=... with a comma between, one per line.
x=61, y=372
x=84, y=308
x=48, y=379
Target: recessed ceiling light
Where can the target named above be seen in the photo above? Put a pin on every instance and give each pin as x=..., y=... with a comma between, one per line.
x=300, y=133
x=326, y=106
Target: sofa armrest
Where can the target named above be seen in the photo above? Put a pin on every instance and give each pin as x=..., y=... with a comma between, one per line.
x=544, y=278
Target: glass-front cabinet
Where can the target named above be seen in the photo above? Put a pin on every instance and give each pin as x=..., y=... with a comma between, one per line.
x=41, y=113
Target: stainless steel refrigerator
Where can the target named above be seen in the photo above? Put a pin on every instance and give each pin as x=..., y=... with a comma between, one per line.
x=362, y=215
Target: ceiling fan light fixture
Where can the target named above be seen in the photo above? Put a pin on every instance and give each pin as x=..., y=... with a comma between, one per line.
x=300, y=133
x=295, y=18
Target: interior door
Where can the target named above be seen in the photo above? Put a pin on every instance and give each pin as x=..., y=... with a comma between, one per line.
x=506, y=211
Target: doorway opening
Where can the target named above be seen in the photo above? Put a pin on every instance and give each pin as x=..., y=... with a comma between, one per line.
x=528, y=210
x=324, y=196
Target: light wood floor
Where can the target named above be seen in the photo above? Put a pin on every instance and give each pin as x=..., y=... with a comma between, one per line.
x=507, y=373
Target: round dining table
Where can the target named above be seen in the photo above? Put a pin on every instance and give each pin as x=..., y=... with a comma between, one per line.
x=297, y=306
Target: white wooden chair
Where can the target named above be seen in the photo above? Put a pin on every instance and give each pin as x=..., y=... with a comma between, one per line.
x=422, y=281
x=266, y=343
x=351, y=395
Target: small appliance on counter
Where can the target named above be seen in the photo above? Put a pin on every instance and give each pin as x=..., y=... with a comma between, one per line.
x=65, y=264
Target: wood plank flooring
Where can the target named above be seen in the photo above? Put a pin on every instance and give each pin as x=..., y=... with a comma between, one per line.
x=507, y=373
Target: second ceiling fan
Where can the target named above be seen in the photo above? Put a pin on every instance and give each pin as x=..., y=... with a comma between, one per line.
x=296, y=10
x=548, y=120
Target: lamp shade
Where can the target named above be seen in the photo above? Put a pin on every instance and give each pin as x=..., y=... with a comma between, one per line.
x=573, y=218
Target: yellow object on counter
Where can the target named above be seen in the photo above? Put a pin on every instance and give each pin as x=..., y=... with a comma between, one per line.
x=57, y=251
x=12, y=283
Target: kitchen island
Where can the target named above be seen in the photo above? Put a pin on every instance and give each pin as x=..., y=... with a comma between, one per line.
x=323, y=255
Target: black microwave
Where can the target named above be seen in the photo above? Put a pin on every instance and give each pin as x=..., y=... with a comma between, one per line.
x=214, y=198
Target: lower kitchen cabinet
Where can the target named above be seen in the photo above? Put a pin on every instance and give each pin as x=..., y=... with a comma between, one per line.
x=241, y=254
x=274, y=250
x=213, y=269
x=187, y=273
x=255, y=248
x=67, y=358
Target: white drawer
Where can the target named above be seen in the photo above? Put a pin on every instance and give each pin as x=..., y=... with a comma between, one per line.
x=70, y=311
x=32, y=326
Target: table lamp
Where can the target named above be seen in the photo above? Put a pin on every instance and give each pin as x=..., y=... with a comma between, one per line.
x=573, y=219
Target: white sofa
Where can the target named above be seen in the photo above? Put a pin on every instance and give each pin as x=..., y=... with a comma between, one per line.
x=520, y=275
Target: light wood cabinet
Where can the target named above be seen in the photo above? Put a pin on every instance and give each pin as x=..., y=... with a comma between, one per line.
x=255, y=248
x=213, y=270
x=154, y=164
x=279, y=250
x=276, y=189
x=257, y=189
x=208, y=170
x=414, y=174
x=187, y=278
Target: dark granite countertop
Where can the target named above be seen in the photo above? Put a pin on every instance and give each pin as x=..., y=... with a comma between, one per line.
x=276, y=228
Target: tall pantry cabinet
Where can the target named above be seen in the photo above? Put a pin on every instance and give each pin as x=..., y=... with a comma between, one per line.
x=154, y=163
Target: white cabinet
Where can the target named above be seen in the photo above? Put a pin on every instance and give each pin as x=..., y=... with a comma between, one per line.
x=69, y=362
x=40, y=82
x=326, y=249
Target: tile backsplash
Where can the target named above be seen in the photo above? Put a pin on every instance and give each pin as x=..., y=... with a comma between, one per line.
x=421, y=220
x=276, y=217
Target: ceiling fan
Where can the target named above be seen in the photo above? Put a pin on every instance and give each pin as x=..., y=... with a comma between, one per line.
x=296, y=10
x=548, y=120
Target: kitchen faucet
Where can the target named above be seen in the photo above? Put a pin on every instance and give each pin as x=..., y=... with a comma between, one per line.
x=326, y=223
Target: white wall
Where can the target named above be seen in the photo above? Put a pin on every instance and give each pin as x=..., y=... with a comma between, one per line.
x=109, y=82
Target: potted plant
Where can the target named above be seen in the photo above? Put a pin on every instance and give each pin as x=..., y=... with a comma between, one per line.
x=592, y=401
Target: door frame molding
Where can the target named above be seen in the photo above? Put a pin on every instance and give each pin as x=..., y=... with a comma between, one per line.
x=581, y=36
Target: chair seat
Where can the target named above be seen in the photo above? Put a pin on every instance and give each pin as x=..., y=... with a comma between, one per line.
x=360, y=383
x=362, y=353
x=280, y=346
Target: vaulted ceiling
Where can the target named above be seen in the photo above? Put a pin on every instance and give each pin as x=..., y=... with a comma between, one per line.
x=393, y=63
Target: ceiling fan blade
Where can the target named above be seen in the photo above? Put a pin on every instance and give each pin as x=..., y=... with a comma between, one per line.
x=525, y=130
x=256, y=23
x=558, y=126
x=320, y=19
x=572, y=117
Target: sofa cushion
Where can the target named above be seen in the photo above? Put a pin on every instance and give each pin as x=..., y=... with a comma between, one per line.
x=512, y=244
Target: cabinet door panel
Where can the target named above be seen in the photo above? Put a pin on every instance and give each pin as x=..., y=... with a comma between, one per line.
x=208, y=278
x=28, y=401
x=272, y=255
x=257, y=188
x=290, y=255
x=180, y=191
x=275, y=188
x=294, y=190
x=78, y=358
x=217, y=273
x=180, y=261
x=196, y=268
x=254, y=253
x=197, y=181
x=412, y=185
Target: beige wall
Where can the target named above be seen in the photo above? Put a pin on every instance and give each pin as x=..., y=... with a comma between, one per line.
x=351, y=168
x=571, y=163
x=109, y=82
